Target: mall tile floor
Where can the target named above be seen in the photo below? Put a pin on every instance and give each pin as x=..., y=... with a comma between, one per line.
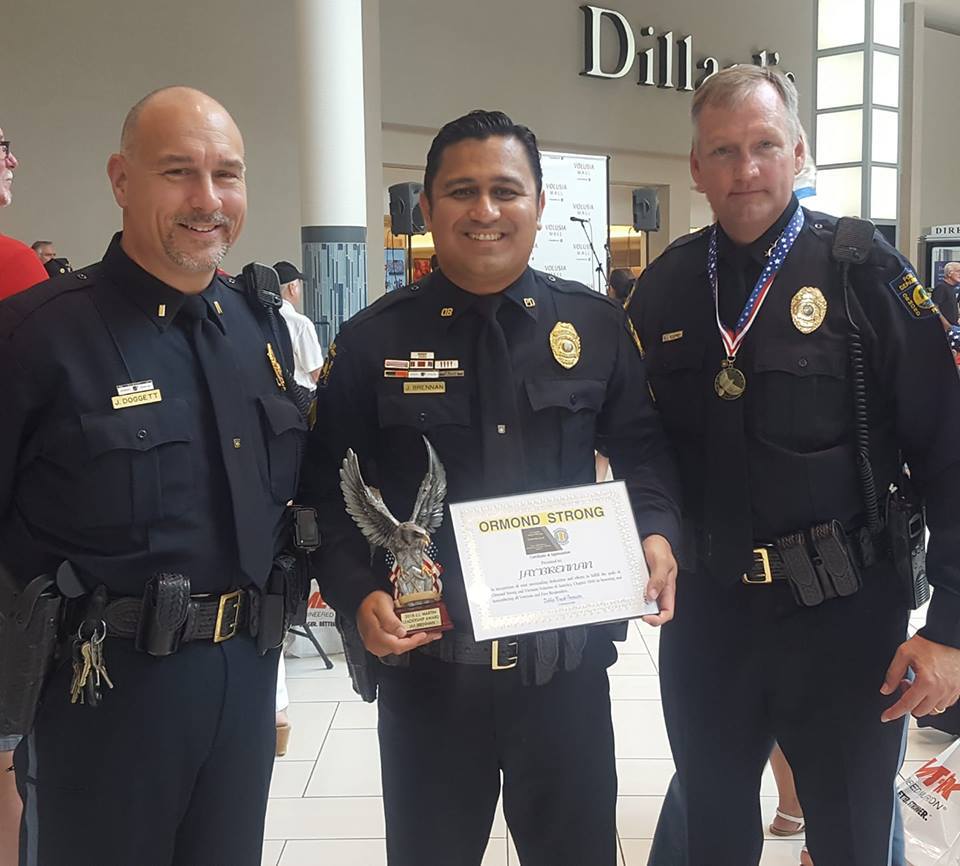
x=325, y=802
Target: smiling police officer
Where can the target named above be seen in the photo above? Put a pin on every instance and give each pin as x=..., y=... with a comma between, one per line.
x=147, y=454
x=509, y=407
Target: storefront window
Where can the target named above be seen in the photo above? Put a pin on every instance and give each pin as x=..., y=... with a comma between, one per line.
x=886, y=22
x=886, y=79
x=839, y=23
x=840, y=80
x=885, y=136
x=883, y=193
x=839, y=191
x=839, y=137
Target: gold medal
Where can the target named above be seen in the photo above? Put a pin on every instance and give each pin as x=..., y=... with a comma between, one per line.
x=730, y=382
x=808, y=309
x=565, y=344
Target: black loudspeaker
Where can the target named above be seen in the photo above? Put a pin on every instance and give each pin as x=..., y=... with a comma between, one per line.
x=646, y=210
x=406, y=218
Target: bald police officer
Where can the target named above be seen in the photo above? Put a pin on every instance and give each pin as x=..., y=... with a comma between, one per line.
x=147, y=453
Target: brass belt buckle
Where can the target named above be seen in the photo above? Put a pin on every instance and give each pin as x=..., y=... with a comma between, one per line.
x=764, y=555
x=512, y=647
x=228, y=616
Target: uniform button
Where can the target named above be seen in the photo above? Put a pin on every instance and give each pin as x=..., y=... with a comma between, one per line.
x=573, y=399
x=415, y=287
x=818, y=225
x=236, y=442
x=141, y=434
x=802, y=362
x=552, y=278
x=231, y=280
x=81, y=275
x=422, y=416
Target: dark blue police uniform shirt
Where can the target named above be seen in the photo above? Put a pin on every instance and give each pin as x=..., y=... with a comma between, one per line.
x=798, y=406
x=563, y=414
x=123, y=493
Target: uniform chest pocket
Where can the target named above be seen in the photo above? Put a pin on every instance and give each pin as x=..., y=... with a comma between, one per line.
x=133, y=466
x=284, y=430
x=801, y=392
x=679, y=384
x=423, y=411
x=569, y=407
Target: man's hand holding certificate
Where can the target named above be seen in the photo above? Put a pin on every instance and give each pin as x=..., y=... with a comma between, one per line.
x=554, y=559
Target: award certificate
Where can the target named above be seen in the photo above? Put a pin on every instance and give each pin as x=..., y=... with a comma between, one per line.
x=551, y=559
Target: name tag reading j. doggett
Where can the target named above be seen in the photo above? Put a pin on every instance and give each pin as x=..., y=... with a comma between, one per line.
x=552, y=559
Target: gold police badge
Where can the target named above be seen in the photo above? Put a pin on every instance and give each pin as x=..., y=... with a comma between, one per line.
x=565, y=344
x=808, y=309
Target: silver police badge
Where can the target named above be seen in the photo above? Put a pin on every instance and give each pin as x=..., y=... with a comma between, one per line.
x=417, y=588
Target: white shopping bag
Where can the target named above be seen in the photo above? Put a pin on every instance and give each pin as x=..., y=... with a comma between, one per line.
x=930, y=805
x=320, y=621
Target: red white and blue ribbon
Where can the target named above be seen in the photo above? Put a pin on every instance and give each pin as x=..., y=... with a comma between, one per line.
x=732, y=339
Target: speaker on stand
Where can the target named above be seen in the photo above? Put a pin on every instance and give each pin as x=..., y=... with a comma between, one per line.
x=646, y=215
x=406, y=216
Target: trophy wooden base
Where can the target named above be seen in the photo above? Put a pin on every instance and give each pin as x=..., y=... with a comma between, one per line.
x=424, y=616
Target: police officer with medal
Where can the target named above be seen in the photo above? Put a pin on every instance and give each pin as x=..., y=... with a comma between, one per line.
x=797, y=363
x=513, y=376
x=148, y=449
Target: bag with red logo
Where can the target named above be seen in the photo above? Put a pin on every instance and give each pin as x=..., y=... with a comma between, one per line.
x=320, y=621
x=930, y=806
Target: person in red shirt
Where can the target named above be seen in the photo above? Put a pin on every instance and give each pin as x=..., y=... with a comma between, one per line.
x=19, y=266
x=19, y=269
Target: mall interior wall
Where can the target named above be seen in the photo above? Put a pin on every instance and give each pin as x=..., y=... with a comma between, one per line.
x=940, y=190
x=72, y=70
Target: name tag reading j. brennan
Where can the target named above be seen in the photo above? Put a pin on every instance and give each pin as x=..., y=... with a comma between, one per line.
x=552, y=559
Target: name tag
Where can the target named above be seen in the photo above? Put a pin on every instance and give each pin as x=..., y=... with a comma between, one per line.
x=125, y=401
x=424, y=387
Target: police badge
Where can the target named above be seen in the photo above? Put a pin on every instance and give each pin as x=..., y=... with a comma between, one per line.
x=417, y=588
x=808, y=309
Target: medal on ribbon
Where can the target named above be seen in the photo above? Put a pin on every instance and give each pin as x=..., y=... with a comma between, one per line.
x=730, y=383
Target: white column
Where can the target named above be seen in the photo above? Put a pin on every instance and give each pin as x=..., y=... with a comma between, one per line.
x=333, y=210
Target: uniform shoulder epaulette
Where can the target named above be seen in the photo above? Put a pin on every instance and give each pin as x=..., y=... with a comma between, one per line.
x=823, y=225
x=384, y=303
x=571, y=287
x=235, y=283
x=683, y=240
x=889, y=268
x=19, y=307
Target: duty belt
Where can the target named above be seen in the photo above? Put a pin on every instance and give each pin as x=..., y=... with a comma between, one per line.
x=768, y=563
x=209, y=617
x=499, y=655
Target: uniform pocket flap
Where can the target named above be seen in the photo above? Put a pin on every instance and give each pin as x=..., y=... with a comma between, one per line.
x=809, y=360
x=572, y=394
x=423, y=410
x=138, y=428
x=281, y=414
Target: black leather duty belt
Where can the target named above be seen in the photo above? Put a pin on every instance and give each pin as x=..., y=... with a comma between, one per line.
x=498, y=655
x=216, y=618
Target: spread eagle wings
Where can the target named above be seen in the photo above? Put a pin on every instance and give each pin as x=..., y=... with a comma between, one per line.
x=365, y=505
x=367, y=508
x=428, y=508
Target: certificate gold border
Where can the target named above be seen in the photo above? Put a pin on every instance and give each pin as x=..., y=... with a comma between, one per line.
x=488, y=625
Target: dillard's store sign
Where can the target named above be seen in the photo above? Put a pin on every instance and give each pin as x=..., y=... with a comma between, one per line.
x=657, y=62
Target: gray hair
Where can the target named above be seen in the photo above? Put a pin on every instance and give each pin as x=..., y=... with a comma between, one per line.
x=951, y=268
x=730, y=87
